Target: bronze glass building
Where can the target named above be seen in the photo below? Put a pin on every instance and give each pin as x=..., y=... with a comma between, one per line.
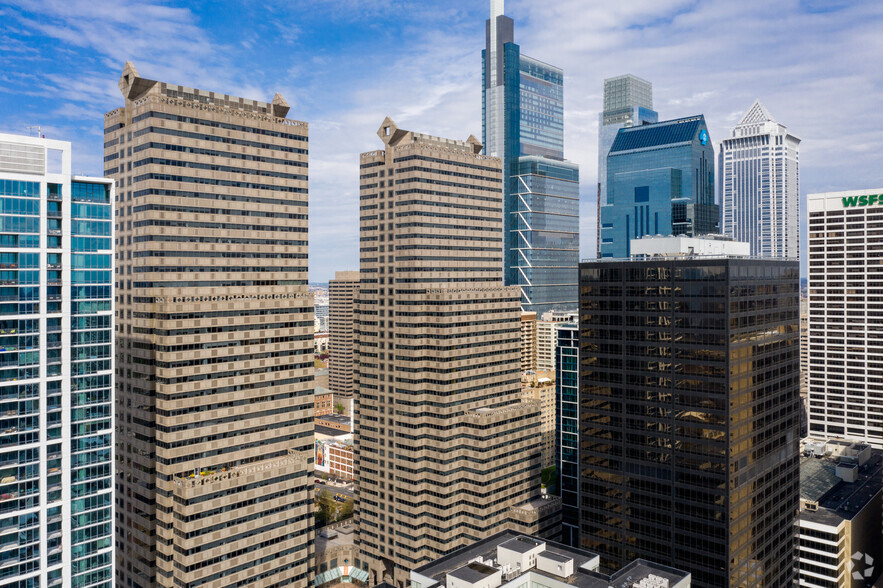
x=689, y=393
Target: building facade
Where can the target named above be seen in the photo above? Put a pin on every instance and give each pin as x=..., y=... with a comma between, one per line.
x=341, y=296
x=56, y=369
x=628, y=102
x=845, y=299
x=547, y=338
x=660, y=181
x=542, y=390
x=214, y=338
x=759, y=175
x=523, y=124
x=528, y=341
x=446, y=451
x=567, y=429
x=690, y=412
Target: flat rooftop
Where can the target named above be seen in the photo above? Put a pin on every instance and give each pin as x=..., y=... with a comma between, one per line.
x=335, y=418
x=487, y=550
x=473, y=572
x=330, y=432
x=838, y=500
x=342, y=536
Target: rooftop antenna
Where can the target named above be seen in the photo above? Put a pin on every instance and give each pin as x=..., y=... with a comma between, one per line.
x=39, y=130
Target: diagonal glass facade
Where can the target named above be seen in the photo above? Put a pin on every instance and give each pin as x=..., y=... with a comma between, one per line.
x=523, y=124
x=544, y=232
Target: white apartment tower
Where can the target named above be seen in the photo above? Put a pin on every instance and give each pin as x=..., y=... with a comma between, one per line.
x=845, y=326
x=56, y=369
x=759, y=176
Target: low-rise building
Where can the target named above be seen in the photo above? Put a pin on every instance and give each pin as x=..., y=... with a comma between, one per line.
x=338, y=422
x=333, y=452
x=337, y=558
x=511, y=560
x=841, y=509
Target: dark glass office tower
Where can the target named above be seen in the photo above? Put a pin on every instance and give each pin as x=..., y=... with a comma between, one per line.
x=523, y=124
x=689, y=393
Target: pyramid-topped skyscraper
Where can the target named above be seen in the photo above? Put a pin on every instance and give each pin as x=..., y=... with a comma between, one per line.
x=759, y=174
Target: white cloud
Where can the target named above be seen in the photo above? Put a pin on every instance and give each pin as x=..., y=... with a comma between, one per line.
x=349, y=63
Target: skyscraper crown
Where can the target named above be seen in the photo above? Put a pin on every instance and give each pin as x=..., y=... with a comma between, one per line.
x=756, y=114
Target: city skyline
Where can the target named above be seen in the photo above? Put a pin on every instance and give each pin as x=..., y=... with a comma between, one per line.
x=319, y=64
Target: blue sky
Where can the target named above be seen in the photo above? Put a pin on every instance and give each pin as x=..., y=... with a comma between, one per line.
x=345, y=64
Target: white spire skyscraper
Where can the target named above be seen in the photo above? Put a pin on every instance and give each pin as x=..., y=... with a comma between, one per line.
x=760, y=185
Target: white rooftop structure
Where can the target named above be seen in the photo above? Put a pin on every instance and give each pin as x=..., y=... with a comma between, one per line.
x=682, y=246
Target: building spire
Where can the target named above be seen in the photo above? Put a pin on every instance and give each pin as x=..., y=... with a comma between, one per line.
x=496, y=9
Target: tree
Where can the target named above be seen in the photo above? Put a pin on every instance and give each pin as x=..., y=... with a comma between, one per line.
x=338, y=408
x=346, y=511
x=325, y=508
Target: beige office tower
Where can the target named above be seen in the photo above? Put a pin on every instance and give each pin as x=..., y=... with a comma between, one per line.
x=341, y=296
x=447, y=451
x=214, y=339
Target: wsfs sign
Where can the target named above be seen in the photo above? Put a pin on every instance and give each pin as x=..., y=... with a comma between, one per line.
x=864, y=200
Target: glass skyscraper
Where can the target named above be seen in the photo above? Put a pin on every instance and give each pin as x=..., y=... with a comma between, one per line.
x=660, y=181
x=56, y=369
x=689, y=413
x=760, y=185
x=628, y=102
x=523, y=124
x=567, y=430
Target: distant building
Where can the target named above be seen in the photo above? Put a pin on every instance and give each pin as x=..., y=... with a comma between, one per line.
x=335, y=458
x=760, y=185
x=523, y=124
x=845, y=306
x=678, y=457
x=528, y=341
x=547, y=337
x=341, y=295
x=567, y=429
x=338, y=422
x=324, y=402
x=511, y=560
x=334, y=451
x=660, y=181
x=542, y=390
x=628, y=102
x=57, y=466
x=320, y=342
x=804, y=366
x=841, y=505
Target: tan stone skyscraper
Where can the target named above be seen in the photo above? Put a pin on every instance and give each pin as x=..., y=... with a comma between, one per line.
x=447, y=451
x=214, y=339
x=341, y=296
